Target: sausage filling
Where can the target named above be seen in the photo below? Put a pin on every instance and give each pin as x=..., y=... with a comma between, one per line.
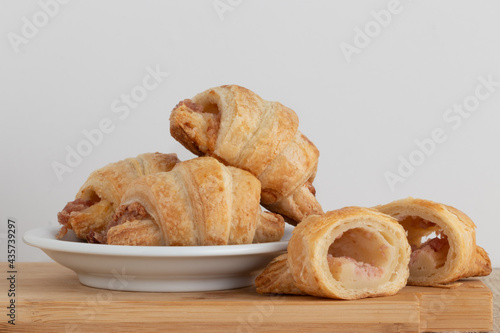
x=72, y=207
x=429, y=245
x=359, y=258
x=134, y=211
x=203, y=133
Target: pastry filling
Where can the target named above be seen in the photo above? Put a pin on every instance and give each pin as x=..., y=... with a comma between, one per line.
x=85, y=215
x=72, y=208
x=359, y=258
x=132, y=212
x=429, y=245
x=190, y=104
x=210, y=126
x=211, y=108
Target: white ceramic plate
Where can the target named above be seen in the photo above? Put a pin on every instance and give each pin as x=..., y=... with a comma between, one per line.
x=158, y=268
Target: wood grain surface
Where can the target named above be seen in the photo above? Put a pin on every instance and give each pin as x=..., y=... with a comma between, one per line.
x=49, y=298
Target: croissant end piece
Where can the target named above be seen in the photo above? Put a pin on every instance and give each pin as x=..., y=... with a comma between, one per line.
x=199, y=202
x=239, y=128
x=98, y=198
x=443, y=240
x=349, y=253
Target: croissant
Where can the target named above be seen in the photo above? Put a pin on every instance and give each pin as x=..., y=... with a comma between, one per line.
x=100, y=195
x=443, y=241
x=199, y=202
x=239, y=128
x=348, y=253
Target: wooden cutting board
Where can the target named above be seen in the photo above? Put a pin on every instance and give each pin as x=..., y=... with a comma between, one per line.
x=49, y=298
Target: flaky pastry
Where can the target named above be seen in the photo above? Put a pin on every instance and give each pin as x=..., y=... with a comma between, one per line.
x=199, y=202
x=443, y=241
x=100, y=195
x=236, y=126
x=348, y=253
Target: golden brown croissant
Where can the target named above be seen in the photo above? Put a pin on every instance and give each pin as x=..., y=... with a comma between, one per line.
x=239, y=128
x=348, y=253
x=199, y=202
x=100, y=195
x=443, y=240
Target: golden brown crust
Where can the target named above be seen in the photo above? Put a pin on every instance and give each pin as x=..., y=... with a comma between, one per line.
x=277, y=278
x=463, y=259
x=107, y=185
x=270, y=228
x=376, y=242
x=199, y=202
x=95, y=218
x=240, y=129
x=299, y=204
x=136, y=233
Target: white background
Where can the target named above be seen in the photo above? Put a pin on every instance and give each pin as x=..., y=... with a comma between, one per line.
x=362, y=114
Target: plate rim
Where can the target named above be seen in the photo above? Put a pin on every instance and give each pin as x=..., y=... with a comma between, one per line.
x=38, y=238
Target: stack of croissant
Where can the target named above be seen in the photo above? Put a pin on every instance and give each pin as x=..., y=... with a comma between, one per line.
x=251, y=153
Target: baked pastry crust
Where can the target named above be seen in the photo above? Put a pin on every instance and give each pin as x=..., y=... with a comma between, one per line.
x=199, y=202
x=236, y=126
x=348, y=253
x=456, y=256
x=103, y=190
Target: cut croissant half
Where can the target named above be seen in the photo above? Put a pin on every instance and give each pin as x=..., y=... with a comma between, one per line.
x=349, y=253
x=98, y=198
x=199, y=202
x=236, y=126
x=443, y=241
